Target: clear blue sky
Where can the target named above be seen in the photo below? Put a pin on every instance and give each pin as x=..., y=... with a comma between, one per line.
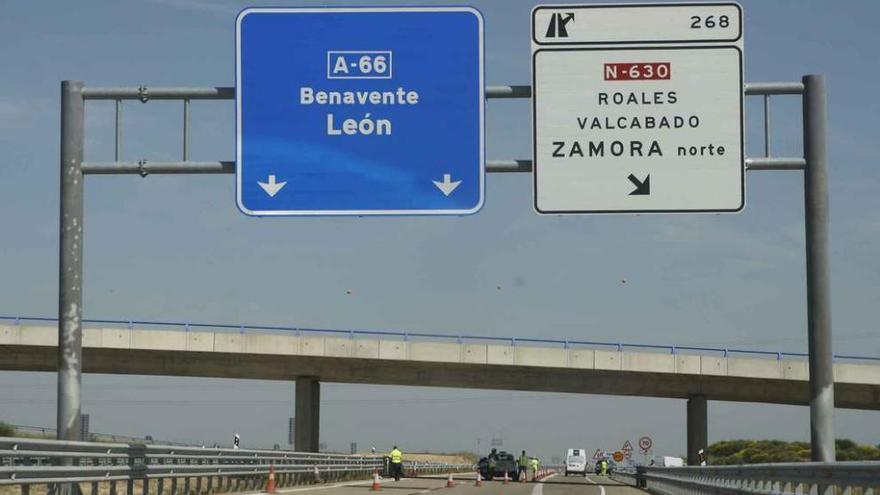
x=176, y=248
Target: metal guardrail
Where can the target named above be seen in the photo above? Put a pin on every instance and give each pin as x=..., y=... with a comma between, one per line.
x=819, y=478
x=25, y=431
x=405, y=336
x=159, y=468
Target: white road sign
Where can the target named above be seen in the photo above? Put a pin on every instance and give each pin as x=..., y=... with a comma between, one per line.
x=636, y=23
x=653, y=124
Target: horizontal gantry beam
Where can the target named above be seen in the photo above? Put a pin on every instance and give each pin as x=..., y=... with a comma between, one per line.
x=146, y=93
x=145, y=167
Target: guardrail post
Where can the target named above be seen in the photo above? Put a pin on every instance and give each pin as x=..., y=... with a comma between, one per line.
x=818, y=272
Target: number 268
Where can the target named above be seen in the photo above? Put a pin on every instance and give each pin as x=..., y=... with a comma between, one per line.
x=709, y=22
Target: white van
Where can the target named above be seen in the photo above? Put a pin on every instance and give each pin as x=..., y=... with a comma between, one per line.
x=576, y=462
x=666, y=461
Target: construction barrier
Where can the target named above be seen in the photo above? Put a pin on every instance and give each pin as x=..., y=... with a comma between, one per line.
x=543, y=473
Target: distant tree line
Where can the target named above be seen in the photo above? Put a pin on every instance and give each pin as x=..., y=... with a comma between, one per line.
x=762, y=451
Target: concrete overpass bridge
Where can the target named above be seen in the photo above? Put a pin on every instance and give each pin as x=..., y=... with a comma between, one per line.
x=309, y=357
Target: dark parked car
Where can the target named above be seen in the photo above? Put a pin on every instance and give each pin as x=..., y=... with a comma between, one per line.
x=504, y=463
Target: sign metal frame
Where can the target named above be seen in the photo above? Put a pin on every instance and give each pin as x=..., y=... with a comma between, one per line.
x=812, y=164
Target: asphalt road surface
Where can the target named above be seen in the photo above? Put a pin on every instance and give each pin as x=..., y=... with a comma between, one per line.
x=464, y=485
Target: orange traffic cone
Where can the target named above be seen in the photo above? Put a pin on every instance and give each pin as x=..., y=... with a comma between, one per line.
x=376, y=487
x=506, y=479
x=270, y=485
x=449, y=482
x=479, y=479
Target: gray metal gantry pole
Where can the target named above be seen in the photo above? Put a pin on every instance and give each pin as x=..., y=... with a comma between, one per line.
x=70, y=262
x=818, y=270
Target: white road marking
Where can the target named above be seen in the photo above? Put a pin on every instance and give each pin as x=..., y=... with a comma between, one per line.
x=538, y=489
x=354, y=483
x=325, y=487
x=602, y=488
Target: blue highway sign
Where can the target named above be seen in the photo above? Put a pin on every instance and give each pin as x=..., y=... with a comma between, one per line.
x=359, y=111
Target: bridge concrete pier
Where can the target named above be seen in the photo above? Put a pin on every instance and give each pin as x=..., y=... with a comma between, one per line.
x=697, y=428
x=307, y=417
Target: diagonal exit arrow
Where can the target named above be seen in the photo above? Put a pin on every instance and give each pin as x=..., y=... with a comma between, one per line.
x=643, y=187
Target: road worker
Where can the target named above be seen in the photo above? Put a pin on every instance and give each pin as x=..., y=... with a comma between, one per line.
x=603, y=467
x=523, y=466
x=535, y=464
x=492, y=461
x=396, y=463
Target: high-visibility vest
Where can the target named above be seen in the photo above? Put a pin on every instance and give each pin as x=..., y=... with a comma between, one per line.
x=396, y=456
x=523, y=461
x=535, y=464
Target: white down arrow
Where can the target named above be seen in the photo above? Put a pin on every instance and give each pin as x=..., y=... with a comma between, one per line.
x=448, y=185
x=272, y=187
